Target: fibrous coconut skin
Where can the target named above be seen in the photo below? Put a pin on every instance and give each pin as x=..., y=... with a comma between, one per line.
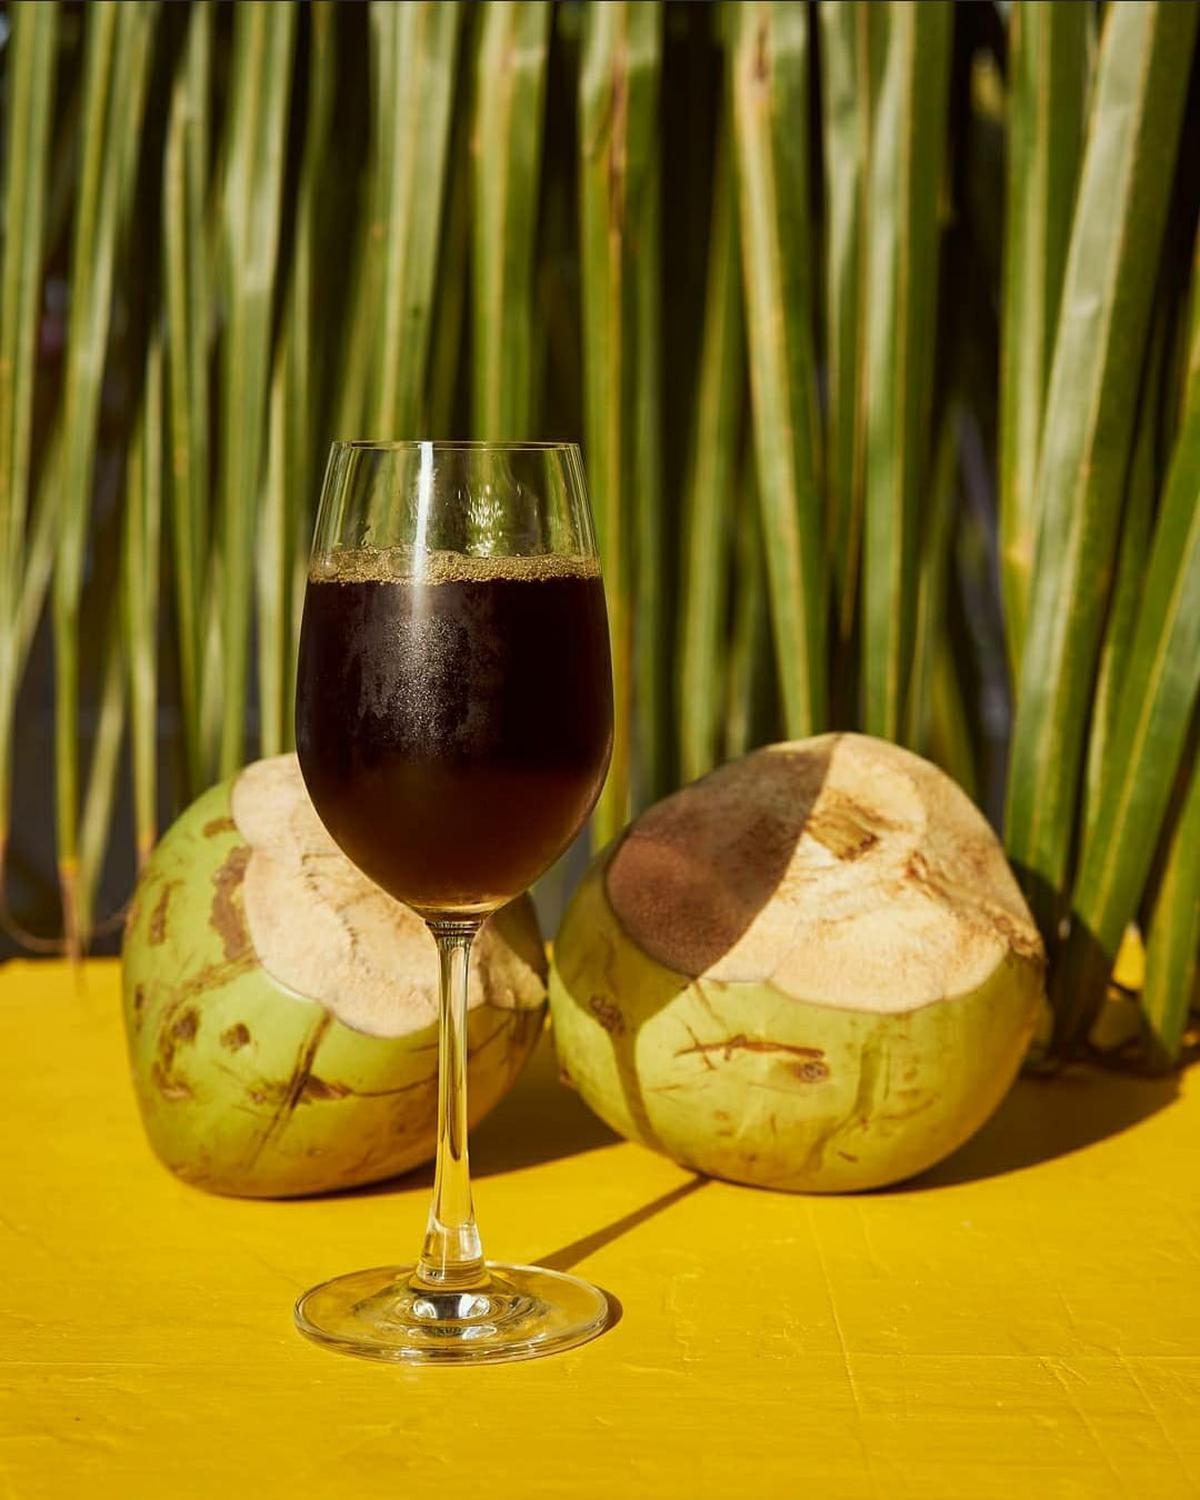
x=811, y=970
x=281, y=1009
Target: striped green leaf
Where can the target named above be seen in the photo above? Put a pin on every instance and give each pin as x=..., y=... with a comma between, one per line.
x=273, y=571
x=711, y=487
x=654, y=564
x=852, y=41
x=116, y=68
x=65, y=156
x=188, y=322
x=99, y=802
x=307, y=432
x=1193, y=339
x=769, y=73
x=354, y=362
x=252, y=192
x=1173, y=936
x=447, y=390
x=27, y=137
x=1157, y=702
x=558, y=364
x=417, y=47
x=40, y=548
x=1137, y=522
x=951, y=745
x=933, y=572
x=1108, y=285
x=212, y=698
x=907, y=161
x=506, y=147
x=1048, y=51
x=139, y=589
x=748, y=677
x=618, y=96
x=284, y=513
x=358, y=382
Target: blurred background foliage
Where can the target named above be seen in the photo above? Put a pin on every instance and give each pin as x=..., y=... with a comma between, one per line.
x=878, y=323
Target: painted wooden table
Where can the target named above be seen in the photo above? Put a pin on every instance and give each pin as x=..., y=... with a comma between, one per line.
x=1024, y=1320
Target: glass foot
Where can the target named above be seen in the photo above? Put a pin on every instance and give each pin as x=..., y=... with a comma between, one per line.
x=523, y=1312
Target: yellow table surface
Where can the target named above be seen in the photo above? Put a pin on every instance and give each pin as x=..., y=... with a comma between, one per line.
x=1022, y=1321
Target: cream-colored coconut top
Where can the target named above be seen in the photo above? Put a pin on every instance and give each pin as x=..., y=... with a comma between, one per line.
x=842, y=869
x=321, y=928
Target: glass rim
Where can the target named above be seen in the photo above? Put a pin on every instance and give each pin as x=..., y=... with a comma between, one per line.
x=456, y=445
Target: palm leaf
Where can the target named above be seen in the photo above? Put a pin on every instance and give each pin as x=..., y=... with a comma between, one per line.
x=116, y=67
x=307, y=438
x=618, y=93
x=188, y=318
x=1108, y=284
x=417, y=45
x=1137, y=522
x=906, y=180
x=273, y=571
x=506, y=147
x=1157, y=701
x=1173, y=936
x=1048, y=48
x=933, y=571
x=40, y=549
x=769, y=62
x=139, y=587
x=748, y=675
x=95, y=823
x=852, y=39
x=950, y=743
x=31, y=77
x=654, y=570
x=291, y=452
x=447, y=361
x=251, y=207
x=711, y=487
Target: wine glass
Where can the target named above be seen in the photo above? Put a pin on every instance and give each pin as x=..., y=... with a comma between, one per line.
x=454, y=727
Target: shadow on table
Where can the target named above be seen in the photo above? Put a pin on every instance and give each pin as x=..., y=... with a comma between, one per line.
x=540, y=1119
x=1046, y=1118
x=570, y=1255
x=615, y=1312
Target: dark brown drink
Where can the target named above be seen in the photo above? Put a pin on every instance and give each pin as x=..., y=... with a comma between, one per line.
x=453, y=720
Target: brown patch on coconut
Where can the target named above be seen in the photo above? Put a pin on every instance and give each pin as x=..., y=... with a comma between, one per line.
x=320, y=1089
x=291, y=1091
x=234, y=1038
x=157, y=932
x=740, y=1043
x=226, y=913
x=844, y=870
x=217, y=826
x=170, y=1087
x=326, y=932
x=185, y=1027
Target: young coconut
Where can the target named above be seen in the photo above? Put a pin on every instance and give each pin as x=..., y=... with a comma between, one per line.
x=281, y=1009
x=811, y=970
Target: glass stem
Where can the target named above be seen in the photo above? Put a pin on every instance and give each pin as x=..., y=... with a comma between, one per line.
x=451, y=1257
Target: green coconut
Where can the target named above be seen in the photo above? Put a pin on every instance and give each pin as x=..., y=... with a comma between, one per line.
x=811, y=970
x=281, y=1010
